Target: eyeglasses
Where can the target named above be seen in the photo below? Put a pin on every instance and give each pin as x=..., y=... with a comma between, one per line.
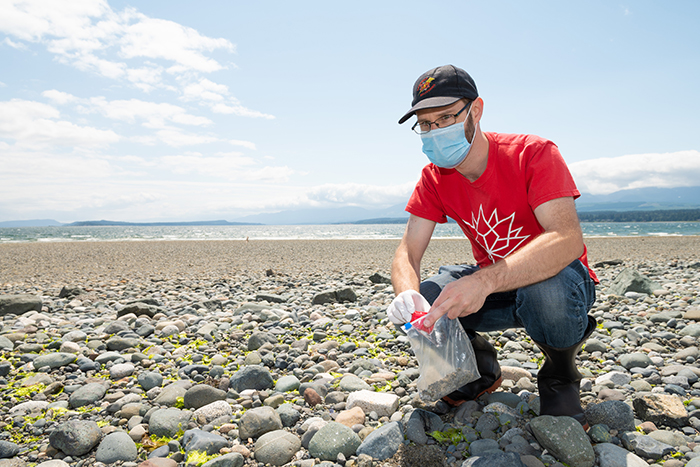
x=446, y=120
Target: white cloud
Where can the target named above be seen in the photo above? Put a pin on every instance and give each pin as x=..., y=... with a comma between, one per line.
x=205, y=90
x=245, y=144
x=14, y=45
x=153, y=115
x=36, y=124
x=240, y=111
x=176, y=138
x=356, y=194
x=89, y=35
x=230, y=166
x=161, y=39
x=59, y=97
x=664, y=170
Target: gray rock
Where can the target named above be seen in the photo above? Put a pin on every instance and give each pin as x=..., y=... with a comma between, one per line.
x=19, y=304
x=259, y=338
x=419, y=422
x=495, y=459
x=54, y=360
x=233, y=459
x=117, y=446
x=74, y=336
x=288, y=415
x=383, y=442
x=565, y=439
x=8, y=449
x=121, y=370
x=116, y=327
x=258, y=421
x=167, y=422
x=211, y=412
x=692, y=330
x=333, y=439
x=378, y=278
x=75, y=437
x=635, y=360
x=170, y=393
x=54, y=463
x=251, y=377
x=594, y=345
x=287, y=383
x=487, y=422
x=139, y=309
x=321, y=298
x=118, y=344
x=28, y=407
x=600, y=434
x=482, y=447
x=616, y=415
x=276, y=447
x=645, y=446
x=6, y=344
x=149, y=380
x=351, y=383
x=630, y=280
x=507, y=398
x=203, y=441
x=610, y=455
x=201, y=395
x=86, y=395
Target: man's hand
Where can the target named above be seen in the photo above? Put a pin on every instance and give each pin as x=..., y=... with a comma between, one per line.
x=459, y=298
x=405, y=304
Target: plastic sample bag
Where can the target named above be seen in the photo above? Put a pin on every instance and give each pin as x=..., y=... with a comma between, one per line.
x=445, y=356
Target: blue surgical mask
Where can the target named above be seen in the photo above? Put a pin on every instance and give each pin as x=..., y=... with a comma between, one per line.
x=447, y=147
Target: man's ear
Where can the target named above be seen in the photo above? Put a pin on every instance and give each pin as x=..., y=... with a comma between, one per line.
x=477, y=109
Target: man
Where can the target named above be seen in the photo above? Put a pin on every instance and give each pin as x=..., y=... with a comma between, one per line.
x=513, y=197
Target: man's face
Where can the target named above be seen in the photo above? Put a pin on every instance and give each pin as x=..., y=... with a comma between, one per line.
x=436, y=113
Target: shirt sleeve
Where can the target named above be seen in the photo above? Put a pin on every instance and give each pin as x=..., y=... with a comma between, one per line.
x=425, y=202
x=548, y=177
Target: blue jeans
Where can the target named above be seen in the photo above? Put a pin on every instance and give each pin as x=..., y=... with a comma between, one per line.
x=553, y=312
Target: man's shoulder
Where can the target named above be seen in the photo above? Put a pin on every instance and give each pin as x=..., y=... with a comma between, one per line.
x=516, y=139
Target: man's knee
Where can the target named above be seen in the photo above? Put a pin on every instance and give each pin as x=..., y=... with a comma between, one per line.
x=554, y=311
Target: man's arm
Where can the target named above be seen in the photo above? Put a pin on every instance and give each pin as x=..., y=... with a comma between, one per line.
x=405, y=269
x=542, y=258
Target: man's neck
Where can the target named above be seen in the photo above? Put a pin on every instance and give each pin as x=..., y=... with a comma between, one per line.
x=475, y=164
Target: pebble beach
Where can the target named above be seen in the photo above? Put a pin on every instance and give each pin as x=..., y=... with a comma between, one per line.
x=256, y=353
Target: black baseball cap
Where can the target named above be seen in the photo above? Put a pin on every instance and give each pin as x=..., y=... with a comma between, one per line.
x=441, y=86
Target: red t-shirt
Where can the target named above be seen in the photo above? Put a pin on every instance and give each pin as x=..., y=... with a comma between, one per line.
x=497, y=211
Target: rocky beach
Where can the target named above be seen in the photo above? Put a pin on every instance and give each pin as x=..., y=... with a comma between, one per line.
x=233, y=353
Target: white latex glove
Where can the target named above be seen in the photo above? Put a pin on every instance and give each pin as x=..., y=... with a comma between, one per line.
x=405, y=304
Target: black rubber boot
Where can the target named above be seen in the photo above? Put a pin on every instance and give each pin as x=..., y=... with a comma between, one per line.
x=489, y=369
x=558, y=380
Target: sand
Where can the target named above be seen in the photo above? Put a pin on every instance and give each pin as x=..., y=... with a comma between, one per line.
x=97, y=262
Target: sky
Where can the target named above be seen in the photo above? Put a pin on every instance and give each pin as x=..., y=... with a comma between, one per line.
x=172, y=110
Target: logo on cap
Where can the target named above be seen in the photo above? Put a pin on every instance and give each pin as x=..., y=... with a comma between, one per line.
x=425, y=85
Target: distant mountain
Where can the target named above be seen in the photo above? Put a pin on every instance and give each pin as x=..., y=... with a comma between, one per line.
x=641, y=199
x=153, y=224
x=339, y=215
x=32, y=223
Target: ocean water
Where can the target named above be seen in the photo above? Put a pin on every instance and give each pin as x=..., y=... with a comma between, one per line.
x=304, y=232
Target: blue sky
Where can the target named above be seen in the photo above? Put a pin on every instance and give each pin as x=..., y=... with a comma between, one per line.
x=172, y=110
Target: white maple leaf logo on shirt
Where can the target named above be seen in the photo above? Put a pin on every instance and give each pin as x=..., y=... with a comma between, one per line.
x=496, y=236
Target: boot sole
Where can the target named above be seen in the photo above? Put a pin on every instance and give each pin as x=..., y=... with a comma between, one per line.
x=456, y=403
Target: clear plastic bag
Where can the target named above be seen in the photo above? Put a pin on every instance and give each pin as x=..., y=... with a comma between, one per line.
x=445, y=356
